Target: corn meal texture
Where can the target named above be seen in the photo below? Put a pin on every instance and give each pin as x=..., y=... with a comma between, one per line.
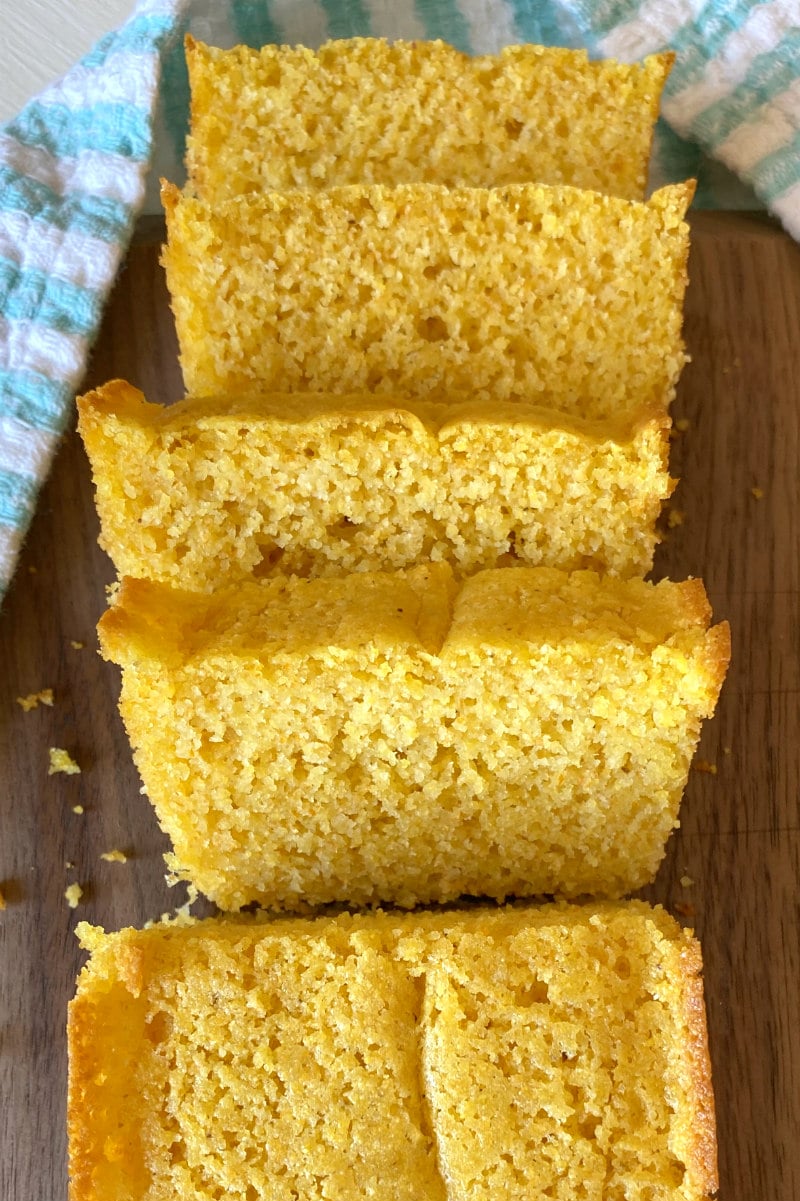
x=366, y=111
x=398, y=737
x=202, y=492
x=511, y=1054
x=548, y=295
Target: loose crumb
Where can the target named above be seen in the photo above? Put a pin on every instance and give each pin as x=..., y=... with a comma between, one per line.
x=33, y=570
x=705, y=766
x=76, y=646
x=68, y=863
x=682, y=424
x=73, y=894
x=686, y=881
x=2, y=901
x=77, y=809
x=726, y=750
x=683, y=909
x=675, y=517
x=114, y=856
x=34, y=699
x=758, y=493
x=61, y=760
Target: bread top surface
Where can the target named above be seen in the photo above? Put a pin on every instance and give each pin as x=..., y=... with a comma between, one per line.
x=421, y=608
x=432, y=418
x=519, y=1006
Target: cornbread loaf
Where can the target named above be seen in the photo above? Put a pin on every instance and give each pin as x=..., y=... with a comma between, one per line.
x=401, y=738
x=548, y=295
x=482, y=1055
x=203, y=491
x=364, y=110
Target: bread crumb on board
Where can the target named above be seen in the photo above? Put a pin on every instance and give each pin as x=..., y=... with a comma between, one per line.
x=62, y=761
x=758, y=493
x=114, y=856
x=682, y=424
x=2, y=901
x=675, y=517
x=73, y=895
x=703, y=765
x=34, y=699
x=76, y=646
x=686, y=881
x=77, y=809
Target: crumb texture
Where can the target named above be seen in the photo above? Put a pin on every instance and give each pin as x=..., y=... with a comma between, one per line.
x=367, y=111
x=523, y=293
x=554, y=1053
x=405, y=738
x=205, y=491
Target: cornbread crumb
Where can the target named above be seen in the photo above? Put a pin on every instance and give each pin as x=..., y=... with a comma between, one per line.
x=682, y=424
x=73, y=895
x=483, y=1054
x=726, y=750
x=33, y=570
x=686, y=881
x=68, y=864
x=758, y=493
x=34, y=699
x=702, y=765
x=76, y=646
x=418, y=290
x=114, y=856
x=320, y=485
x=77, y=809
x=62, y=761
x=277, y=728
x=2, y=900
x=675, y=517
x=365, y=110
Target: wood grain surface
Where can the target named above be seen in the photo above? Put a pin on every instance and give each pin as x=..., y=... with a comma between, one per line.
x=732, y=871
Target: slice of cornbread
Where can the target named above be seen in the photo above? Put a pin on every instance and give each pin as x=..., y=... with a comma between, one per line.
x=549, y=295
x=401, y=738
x=365, y=110
x=205, y=491
x=558, y=1052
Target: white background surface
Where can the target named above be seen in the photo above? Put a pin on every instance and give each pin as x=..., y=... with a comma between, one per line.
x=41, y=39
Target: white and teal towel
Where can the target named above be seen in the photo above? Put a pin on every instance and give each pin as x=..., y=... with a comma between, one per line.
x=74, y=164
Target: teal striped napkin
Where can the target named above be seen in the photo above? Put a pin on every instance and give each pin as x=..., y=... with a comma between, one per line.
x=74, y=164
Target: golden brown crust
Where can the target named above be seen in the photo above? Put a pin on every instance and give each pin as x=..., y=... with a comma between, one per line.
x=79, y=1098
x=718, y=655
x=704, y=1147
x=120, y=399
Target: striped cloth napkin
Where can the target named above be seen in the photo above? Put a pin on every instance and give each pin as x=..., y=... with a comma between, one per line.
x=74, y=165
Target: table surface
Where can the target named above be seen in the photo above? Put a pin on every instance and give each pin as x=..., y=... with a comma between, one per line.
x=731, y=871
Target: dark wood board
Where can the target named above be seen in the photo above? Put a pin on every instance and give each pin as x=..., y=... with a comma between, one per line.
x=739, y=844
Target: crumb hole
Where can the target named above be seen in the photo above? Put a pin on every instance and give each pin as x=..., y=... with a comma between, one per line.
x=432, y=329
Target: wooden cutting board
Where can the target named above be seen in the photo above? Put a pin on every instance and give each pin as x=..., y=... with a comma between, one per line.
x=733, y=869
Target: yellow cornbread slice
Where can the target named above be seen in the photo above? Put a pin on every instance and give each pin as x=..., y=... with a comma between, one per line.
x=363, y=110
x=402, y=738
x=204, y=491
x=552, y=296
x=510, y=1054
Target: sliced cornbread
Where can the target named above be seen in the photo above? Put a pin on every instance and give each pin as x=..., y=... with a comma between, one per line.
x=549, y=295
x=364, y=110
x=205, y=491
x=401, y=738
x=509, y=1054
